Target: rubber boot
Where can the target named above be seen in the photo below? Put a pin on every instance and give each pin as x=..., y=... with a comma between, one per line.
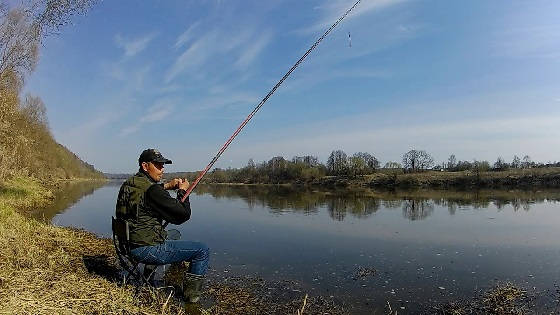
x=192, y=287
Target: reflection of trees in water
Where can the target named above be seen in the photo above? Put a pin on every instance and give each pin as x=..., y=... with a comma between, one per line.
x=476, y=200
x=66, y=195
x=359, y=207
x=336, y=208
x=515, y=203
x=416, y=205
x=393, y=204
x=280, y=199
x=415, y=209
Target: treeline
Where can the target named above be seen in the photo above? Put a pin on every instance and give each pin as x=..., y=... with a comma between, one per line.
x=454, y=165
x=305, y=169
x=27, y=148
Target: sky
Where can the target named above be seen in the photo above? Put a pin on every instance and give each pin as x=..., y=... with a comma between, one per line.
x=478, y=79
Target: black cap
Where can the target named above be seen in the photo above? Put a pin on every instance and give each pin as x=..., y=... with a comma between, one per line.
x=152, y=155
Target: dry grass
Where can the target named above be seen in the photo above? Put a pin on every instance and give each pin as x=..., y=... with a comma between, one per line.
x=51, y=270
x=505, y=299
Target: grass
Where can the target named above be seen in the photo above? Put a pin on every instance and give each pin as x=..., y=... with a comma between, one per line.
x=51, y=270
x=504, y=299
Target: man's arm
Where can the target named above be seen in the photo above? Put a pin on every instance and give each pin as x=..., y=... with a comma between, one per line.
x=172, y=210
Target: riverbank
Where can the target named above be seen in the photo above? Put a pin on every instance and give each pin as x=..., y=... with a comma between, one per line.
x=51, y=270
x=536, y=178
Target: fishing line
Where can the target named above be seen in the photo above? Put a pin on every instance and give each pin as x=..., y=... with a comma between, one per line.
x=225, y=146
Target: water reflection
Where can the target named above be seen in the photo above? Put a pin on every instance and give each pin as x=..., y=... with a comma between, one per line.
x=417, y=209
x=66, y=195
x=361, y=204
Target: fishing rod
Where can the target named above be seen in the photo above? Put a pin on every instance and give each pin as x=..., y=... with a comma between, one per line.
x=256, y=109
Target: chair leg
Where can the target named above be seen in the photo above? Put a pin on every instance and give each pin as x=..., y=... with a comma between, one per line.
x=149, y=271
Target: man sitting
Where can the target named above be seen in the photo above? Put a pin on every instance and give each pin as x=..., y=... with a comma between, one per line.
x=145, y=204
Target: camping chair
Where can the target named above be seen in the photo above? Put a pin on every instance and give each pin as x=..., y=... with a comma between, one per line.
x=121, y=239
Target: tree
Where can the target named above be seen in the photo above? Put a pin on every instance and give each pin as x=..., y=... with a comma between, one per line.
x=277, y=168
x=480, y=166
x=516, y=162
x=357, y=165
x=22, y=29
x=451, y=162
x=34, y=110
x=307, y=160
x=251, y=164
x=19, y=44
x=417, y=160
x=500, y=164
x=371, y=161
x=527, y=163
x=463, y=166
x=337, y=164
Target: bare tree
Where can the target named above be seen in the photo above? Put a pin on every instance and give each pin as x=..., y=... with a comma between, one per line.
x=417, y=160
x=500, y=164
x=19, y=45
x=527, y=162
x=50, y=16
x=452, y=162
x=23, y=27
x=516, y=162
x=308, y=160
x=337, y=164
x=371, y=161
x=34, y=110
x=251, y=164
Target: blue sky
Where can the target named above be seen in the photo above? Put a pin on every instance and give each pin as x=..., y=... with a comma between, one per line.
x=478, y=79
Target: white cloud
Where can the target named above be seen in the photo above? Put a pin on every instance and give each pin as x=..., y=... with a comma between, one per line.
x=194, y=56
x=311, y=78
x=186, y=36
x=157, y=112
x=134, y=46
x=527, y=30
x=332, y=10
x=251, y=53
x=218, y=45
x=129, y=130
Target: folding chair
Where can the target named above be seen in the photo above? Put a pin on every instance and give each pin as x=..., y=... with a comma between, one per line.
x=121, y=239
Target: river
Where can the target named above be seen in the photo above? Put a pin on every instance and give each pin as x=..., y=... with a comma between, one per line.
x=361, y=248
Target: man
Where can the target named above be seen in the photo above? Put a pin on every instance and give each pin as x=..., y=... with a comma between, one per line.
x=145, y=204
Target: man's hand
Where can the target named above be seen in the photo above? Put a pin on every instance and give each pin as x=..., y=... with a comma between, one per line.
x=173, y=184
x=183, y=184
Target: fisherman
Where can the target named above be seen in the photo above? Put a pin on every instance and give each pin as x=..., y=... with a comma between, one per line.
x=145, y=204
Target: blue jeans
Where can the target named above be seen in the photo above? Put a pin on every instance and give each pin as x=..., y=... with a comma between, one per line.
x=168, y=252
